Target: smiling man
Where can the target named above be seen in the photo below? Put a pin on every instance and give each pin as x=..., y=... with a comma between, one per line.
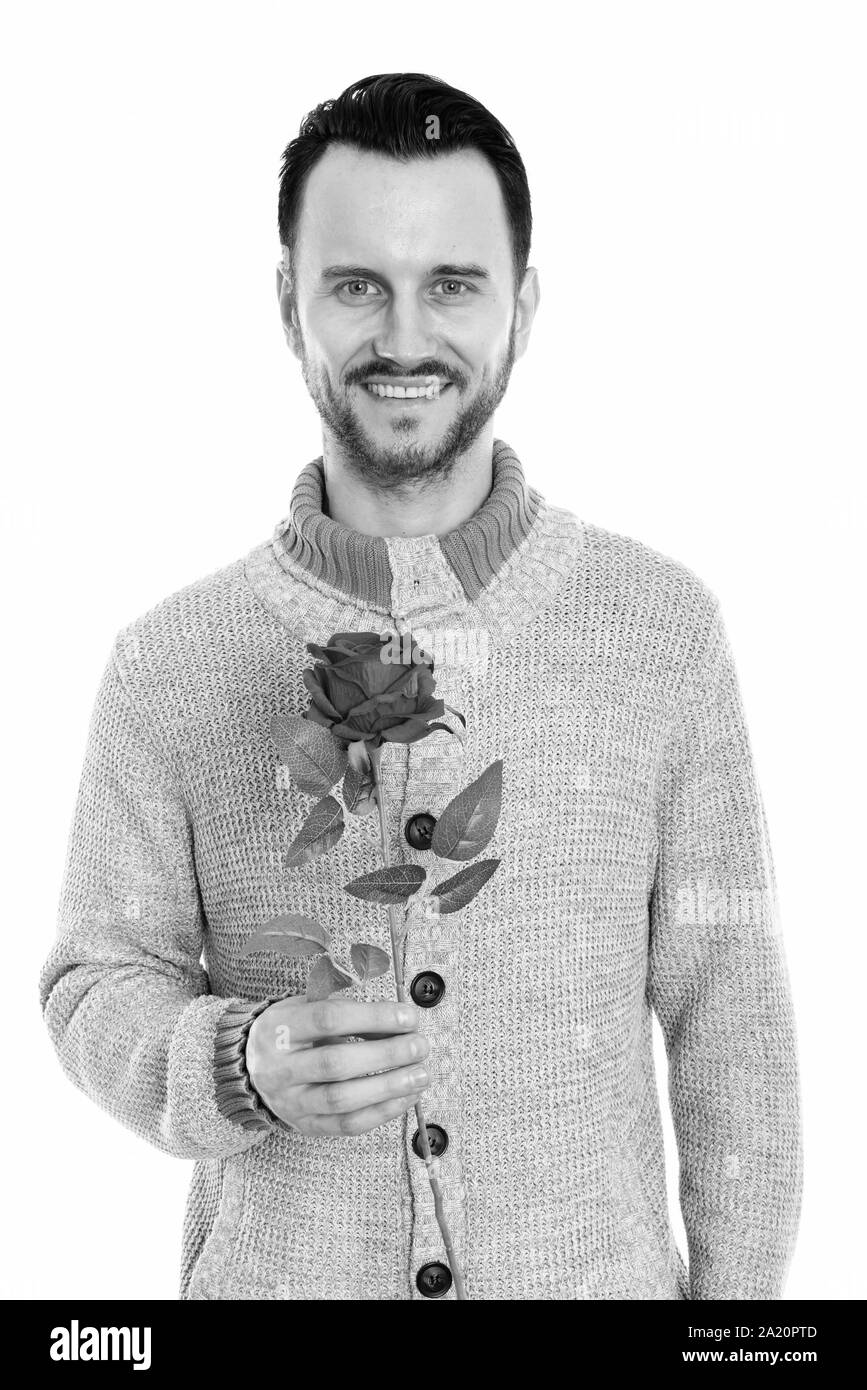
x=635, y=874
x=406, y=355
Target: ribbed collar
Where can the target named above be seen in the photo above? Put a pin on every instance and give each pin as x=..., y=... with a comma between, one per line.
x=358, y=564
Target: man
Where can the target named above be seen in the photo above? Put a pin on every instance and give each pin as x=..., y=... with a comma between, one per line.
x=635, y=868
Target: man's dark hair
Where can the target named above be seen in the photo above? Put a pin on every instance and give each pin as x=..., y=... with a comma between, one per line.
x=391, y=114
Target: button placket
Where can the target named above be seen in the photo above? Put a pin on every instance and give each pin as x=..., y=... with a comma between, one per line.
x=425, y=590
x=430, y=949
x=428, y=601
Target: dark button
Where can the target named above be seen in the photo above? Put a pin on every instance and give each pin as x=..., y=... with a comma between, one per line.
x=436, y=1137
x=434, y=1279
x=427, y=989
x=418, y=830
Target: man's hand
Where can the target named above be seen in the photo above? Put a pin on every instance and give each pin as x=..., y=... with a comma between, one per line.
x=306, y=1072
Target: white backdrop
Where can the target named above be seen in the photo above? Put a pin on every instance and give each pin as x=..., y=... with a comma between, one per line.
x=695, y=378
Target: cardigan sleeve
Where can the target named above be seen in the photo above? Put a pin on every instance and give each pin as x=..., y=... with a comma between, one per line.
x=718, y=982
x=123, y=991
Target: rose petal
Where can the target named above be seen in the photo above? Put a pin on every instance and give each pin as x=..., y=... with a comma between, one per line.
x=317, y=694
x=350, y=733
x=405, y=733
x=342, y=689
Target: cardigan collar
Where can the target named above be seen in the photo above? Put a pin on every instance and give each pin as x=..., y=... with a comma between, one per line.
x=359, y=565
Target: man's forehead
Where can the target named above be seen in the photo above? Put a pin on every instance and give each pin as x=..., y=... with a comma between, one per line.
x=448, y=206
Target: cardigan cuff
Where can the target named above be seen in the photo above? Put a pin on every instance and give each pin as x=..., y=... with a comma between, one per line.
x=237, y=1099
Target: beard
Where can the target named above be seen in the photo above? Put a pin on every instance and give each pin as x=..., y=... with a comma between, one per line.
x=391, y=467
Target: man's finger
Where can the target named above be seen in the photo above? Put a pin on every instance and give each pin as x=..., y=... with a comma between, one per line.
x=359, y=1121
x=347, y=1061
x=332, y=1019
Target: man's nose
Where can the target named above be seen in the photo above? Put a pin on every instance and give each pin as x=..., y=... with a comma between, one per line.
x=406, y=334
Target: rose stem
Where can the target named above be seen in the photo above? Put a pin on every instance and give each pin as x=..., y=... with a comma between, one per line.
x=454, y=1266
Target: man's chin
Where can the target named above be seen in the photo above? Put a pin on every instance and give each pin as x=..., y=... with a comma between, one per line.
x=395, y=446
x=389, y=441
x=393, y=460
x=410, y=454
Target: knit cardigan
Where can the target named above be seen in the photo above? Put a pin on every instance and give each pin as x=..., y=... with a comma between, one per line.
x=636, y=877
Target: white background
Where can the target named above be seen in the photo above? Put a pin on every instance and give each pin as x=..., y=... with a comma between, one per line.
x=695, y=378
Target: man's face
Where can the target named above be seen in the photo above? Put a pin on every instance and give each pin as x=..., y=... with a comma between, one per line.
x=404, y=279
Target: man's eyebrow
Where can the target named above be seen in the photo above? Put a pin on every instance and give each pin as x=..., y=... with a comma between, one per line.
x=468, y=271
x=360, y=272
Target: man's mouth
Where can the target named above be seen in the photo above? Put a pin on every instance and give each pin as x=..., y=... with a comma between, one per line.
x=430, y=388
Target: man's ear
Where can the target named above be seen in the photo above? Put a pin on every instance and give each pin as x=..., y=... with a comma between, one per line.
x=526, y=305
x=286, y=300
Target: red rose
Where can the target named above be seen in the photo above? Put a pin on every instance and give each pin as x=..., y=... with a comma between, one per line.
x=359, y=690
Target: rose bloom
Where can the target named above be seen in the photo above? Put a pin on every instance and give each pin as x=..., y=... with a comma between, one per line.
x=359, y=696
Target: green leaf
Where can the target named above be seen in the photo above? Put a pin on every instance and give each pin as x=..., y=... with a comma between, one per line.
x=314, y=757
x=392, y=885
x=324, y=978
x=291, y=934
x=369, y=961
x=455, y=892
x=322, y=829
x=470, y=819
x=452, y=710
x=358, y=792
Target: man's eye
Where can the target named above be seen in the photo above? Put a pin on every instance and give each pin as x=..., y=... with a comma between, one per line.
x=454, y=289
x=352, y=288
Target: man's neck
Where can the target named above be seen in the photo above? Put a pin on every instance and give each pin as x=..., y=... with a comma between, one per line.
x=419, y=508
